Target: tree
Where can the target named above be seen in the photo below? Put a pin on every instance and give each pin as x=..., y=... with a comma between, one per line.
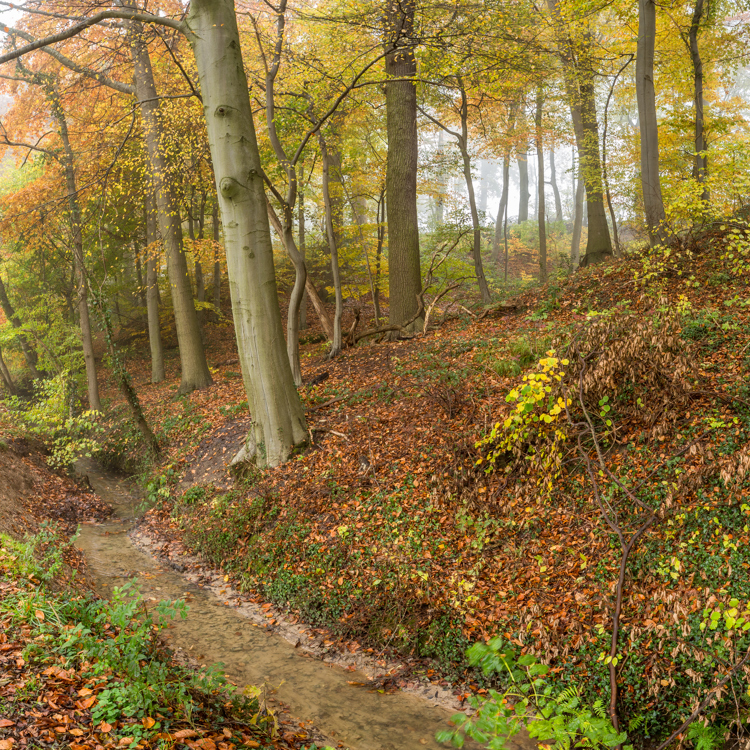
x=653, y=204
x=405, y=277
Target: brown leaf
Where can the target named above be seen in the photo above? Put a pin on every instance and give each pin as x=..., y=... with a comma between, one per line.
x=7, y=723
x=184, y=734
x=7, y=744
x=105, y=728
x=148, y=722
x=125, y=741
x=39, y=614
x=85, y=691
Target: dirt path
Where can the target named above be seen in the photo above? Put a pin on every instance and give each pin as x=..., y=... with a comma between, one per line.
x=314, y=691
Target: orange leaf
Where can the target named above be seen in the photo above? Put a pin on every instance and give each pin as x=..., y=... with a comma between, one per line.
x=39, y=614
x=7, y=723
x=6, y=744
x=183, y=734
x=148, y=722
x=105, y=728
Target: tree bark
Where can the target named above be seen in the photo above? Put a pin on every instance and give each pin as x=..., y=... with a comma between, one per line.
x=332, y=237
x=575, y=245
x=405, y=275
x=29, y=353
x=277, y=412
x=501, y=210
x=540, y=209
x=217, y=261
x=579, y=75
x=7, y=379
x=303, y=250
x=68, y=164
x=653, y=204
x=555, y=189
x=152, y=292
x=523, y=178
x=195, y=373
x=700, y=163
x=476, y=251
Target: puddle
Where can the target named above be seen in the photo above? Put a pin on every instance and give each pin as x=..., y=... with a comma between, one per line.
x=313, y=690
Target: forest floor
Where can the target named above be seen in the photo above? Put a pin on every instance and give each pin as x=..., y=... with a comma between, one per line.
x=385, y=537
x=84, y=673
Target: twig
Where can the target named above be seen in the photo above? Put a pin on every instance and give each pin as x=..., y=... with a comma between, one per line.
x=697, y=712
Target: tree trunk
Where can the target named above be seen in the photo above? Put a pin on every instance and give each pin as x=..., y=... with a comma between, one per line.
x=277, y=412
x=200, y=284
x=575, y=245
x=287, y=236
x=28, y=351
x=195, y=373
x=381, y=210
x=476, y=250
x=7, y=379
x=84, y=319
x=501, y=210
x=302, y=249
x=523, y=177
x=125, y=385
x=653, y=205
x=332, y=237
x=579, y=74
x=152, y=292
x=217, y=261
x=555, y=189
x=700, y=164
x=540, y=207
x=141, y=294
x=405, y=275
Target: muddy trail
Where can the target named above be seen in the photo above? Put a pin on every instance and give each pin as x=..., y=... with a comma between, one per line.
x=323, y=694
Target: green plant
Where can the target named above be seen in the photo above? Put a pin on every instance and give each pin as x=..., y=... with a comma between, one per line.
x=549, y=712
x=51, y=417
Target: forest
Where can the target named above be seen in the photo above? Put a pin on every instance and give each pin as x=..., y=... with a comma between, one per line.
x=374, y=374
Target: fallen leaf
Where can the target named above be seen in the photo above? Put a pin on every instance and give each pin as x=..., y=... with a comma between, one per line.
x=9, y=723
x=125, y=741
x=148, y=722
x=77, y=732
x=104, y=728
x=184, y=734
x=6, y=744
x=39, y=614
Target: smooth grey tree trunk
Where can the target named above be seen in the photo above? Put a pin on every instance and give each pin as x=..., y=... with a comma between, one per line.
x=404, y=274
x=700, y=163
x=575, y=245
x=277, y=412
x=555, y=188
x=152, y=293
x=332, y=237
x=195, y=373
x=540, y=203
x=501, y=210
x=302, y=241
x=476, y=248
x=653, y=204
x=523, y=178
x=217, y=262
x=288, y=202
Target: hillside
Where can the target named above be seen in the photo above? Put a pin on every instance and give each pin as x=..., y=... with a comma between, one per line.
x=388, y=532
